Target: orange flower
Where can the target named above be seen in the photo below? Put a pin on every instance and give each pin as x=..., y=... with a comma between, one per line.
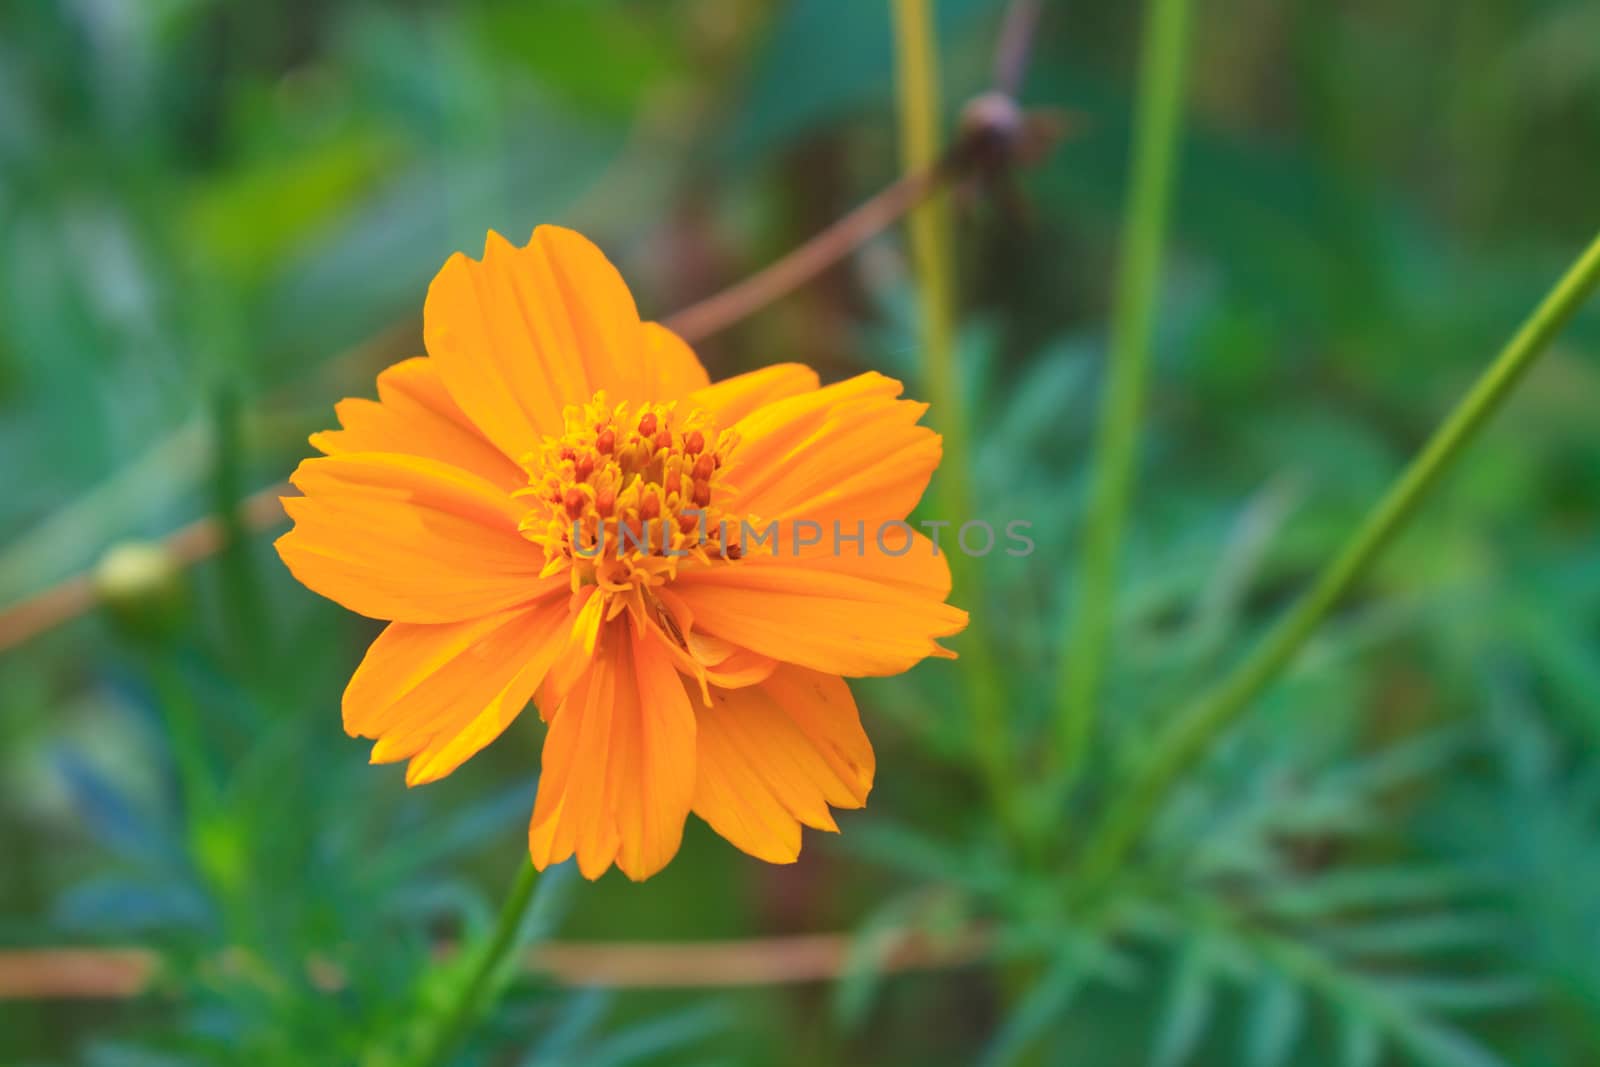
x=556, y=504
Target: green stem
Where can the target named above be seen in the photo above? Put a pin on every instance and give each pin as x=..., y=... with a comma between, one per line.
x=242, y=600
x=487, y=970
x=182, y=718
x=917, y=70
x=1157, y=127
x=1189, y=736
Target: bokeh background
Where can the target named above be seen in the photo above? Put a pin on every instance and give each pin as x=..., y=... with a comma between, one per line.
x=218, y=218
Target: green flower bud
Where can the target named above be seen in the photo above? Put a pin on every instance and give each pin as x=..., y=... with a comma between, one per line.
x=140, y=584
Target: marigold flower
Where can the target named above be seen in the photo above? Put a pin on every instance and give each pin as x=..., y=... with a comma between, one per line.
x=554, y=505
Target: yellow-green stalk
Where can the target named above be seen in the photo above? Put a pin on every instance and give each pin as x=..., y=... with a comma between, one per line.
x=1157, y=128
x=933, y=261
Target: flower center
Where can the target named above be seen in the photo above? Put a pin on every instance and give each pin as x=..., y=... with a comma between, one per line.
x=627, y=492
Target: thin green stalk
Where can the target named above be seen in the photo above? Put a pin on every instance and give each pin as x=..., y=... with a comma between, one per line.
x=181, y=715
x=917, y=51
x=917, y=70
x=483, y=982
x=243, y=602
x=1157, y=127
x=1190, y=735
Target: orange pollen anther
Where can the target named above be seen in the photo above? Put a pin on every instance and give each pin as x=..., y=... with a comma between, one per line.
x=624, y=511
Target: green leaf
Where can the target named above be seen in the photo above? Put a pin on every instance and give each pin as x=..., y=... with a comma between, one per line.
x=1042, y=1007
x=1360, y=1043
x=1467, y=995
x=1349, y=889
x=1189, y=1005
x=1275, y=1019
x=644, y=1042
x=1441, y=1046
x=874, y=939
x=1415, y=934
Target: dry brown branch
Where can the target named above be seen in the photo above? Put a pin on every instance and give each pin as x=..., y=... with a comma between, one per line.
x=751, y=962
x=1016, y=42
x=718, y=312
x=121, y=973
x=75, y=973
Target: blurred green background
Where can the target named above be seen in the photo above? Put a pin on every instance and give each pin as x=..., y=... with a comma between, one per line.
x=218, y=218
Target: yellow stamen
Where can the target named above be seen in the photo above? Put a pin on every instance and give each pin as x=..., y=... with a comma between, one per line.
x=625, y=494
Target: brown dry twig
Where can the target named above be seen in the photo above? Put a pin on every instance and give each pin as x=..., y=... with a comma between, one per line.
x=121, y=973
x=717, y=312
x=995, y=134
x=1011, y=51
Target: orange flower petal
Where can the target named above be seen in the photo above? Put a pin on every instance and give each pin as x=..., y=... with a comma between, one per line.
x=410, y=539
x=777, y=754
x=849, y=451
x=527, y=331
x=618, y=763
x=671, y=369
x=414, y=415
x=733, y=398
x=825, y=613
x=577, y=651
x=438, y=693
x=917, y=566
